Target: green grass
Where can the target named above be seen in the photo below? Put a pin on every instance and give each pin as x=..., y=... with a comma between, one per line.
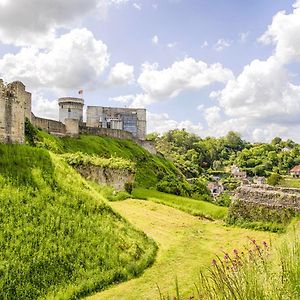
x=187, y=245
x=191, y=206
x=290, y=182
x=59, y=239
x=148, y=167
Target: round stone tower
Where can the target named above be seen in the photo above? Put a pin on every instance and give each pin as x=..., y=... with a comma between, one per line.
x=70, y=108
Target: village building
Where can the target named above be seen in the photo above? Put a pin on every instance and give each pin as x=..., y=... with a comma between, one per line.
x=295, y=172
x=237, y=173
x=215, y=188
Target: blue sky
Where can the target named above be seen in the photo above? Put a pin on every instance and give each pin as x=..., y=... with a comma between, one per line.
x=207, y=66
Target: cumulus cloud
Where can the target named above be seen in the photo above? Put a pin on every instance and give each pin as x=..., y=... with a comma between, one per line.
x=43, y=107
x=222, y=44
x=121, y=73
x=284, y=33
x=188, y=74
x=262, y=92
x=262, y=101
x=36, y=21
x=162, y=123
x=123, y=98
x=73, y=60
x=155, y=40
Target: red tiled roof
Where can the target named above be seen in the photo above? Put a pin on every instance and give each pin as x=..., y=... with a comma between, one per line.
x=296, y=169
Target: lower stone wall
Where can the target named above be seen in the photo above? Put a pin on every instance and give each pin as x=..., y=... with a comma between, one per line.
x=264, y=203
x=149, y=146
x=51, y=126
x=114, y=133
x=112, y=177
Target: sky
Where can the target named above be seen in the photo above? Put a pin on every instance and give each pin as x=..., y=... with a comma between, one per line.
x=206, y=66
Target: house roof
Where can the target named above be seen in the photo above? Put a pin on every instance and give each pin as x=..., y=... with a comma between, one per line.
x=296, y=169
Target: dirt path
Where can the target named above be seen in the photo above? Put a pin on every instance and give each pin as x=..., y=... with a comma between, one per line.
x=186, y=244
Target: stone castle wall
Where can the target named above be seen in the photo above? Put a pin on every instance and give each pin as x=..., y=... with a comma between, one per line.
x=50, y=126
x=15, y=105
x=114, y=133
x=257, y=203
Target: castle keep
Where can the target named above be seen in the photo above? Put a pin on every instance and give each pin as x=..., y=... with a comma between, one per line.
x=15, y=107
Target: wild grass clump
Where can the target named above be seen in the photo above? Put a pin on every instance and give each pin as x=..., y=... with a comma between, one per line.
x=259, y=271
x=59, y=240
x=188, y=205
x=78, y=159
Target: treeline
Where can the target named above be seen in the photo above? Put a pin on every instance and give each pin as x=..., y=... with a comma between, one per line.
x=196, y=156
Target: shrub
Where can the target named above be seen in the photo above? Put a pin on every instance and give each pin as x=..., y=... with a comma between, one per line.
x=128, y=187
x=274, y=179
x=223, y=199
x=172, y=185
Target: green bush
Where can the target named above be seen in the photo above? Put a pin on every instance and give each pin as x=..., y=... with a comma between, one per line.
x=274, y=179
x=223, y=199
x=173, y=185
x=128, y=187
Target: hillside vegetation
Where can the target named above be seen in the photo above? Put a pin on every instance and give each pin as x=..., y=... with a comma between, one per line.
x=196, y=156
x=59, y=240
x=149, y=168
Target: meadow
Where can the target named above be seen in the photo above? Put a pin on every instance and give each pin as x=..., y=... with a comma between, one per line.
x=194, y=207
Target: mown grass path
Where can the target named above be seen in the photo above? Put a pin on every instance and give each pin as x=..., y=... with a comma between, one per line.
x=186, y=244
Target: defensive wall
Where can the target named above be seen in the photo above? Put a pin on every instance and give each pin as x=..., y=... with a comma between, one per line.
x=258, y=203
x=15, y=107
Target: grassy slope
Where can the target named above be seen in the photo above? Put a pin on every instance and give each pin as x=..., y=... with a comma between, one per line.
x=58, y=238
x=186, y=245
x=191, y=206
x=291, y=182
x=148, y=166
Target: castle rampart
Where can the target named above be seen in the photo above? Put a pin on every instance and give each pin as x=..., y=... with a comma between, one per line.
x=15, y=104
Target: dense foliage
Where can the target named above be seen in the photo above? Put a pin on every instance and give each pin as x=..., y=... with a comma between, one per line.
x=194, y=155
x=78, y=158
x=59, y=240
x=148, y=167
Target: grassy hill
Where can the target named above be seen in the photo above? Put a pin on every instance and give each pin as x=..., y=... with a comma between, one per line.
x=59, y=239
x=149, y=167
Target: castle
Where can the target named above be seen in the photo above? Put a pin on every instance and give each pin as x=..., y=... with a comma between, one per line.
x=15, y=107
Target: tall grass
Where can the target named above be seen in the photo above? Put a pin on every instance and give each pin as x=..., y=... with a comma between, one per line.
x=259, y=271
x=58, y=239
x=191, y=206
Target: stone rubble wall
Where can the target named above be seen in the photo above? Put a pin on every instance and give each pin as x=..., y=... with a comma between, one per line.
x=112, y=177
x=264, y=203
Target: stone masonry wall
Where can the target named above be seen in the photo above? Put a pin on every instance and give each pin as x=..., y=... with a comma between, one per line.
x=51, y=126
x=256, y=203
x=114, y=133
x=111, y=177
x=15, y=103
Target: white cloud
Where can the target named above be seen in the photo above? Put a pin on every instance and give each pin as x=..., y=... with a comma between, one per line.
x=262, y=92
x=35, y=22
x=284, y=33
x=162, y=123
x=172, y=45
x=121, y=73
x=123, y=98
x=155, y=40
x=222, y=44
x=43, y=107
x=243, y=36
x=137, y=6
x=187, y=74
x=204, y=44
x=74, y=60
